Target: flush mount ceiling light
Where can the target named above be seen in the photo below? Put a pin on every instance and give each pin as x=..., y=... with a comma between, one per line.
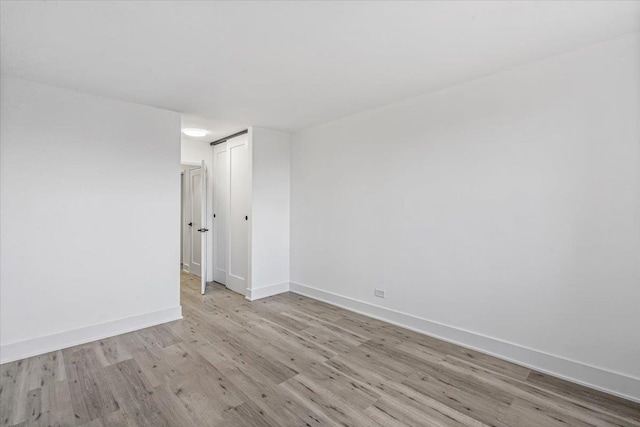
x=194, y=132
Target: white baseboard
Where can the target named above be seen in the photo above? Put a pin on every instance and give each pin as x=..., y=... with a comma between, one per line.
x=608, y=381
x=36, y=346
x=267, y=291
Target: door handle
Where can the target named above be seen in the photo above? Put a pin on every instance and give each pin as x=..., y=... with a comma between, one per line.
x=202, y=230
x=190, y=224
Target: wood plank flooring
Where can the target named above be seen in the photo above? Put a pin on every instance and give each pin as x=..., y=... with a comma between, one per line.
x=288, y=361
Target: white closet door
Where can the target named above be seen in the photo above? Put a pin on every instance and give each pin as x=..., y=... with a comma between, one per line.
x=220, y=212
x=195, y=196
x=239, y=193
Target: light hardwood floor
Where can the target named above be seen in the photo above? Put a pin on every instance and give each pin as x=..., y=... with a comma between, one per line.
x=288, y=361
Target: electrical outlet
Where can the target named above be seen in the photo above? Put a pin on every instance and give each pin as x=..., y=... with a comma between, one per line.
x=380, y=293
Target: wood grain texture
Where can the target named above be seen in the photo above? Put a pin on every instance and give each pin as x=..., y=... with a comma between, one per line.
x=288, y=361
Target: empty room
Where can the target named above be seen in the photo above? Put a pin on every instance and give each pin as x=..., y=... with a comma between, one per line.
x=320, y=213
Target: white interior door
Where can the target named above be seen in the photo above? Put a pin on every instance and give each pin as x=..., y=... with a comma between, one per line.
x=195, y=223
x=203, y=230
x=220, y=212
x=187, y=223
x=182, y=223
x=239, y=194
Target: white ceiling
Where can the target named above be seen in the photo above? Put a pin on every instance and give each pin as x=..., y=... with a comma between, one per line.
x=288, y=65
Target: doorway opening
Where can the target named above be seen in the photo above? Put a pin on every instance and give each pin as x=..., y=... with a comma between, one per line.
x=193, y=258
x=215, y=211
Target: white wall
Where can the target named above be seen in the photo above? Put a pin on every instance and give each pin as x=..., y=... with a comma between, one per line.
x=502, y=213
x=270, y=209
x=195, y=152
x=90, y=204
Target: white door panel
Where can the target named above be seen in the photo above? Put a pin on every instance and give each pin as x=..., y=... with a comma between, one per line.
x=185, y=218
x=195, y=196
x=220, y=212
x=203, y=224
x=239, y=193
